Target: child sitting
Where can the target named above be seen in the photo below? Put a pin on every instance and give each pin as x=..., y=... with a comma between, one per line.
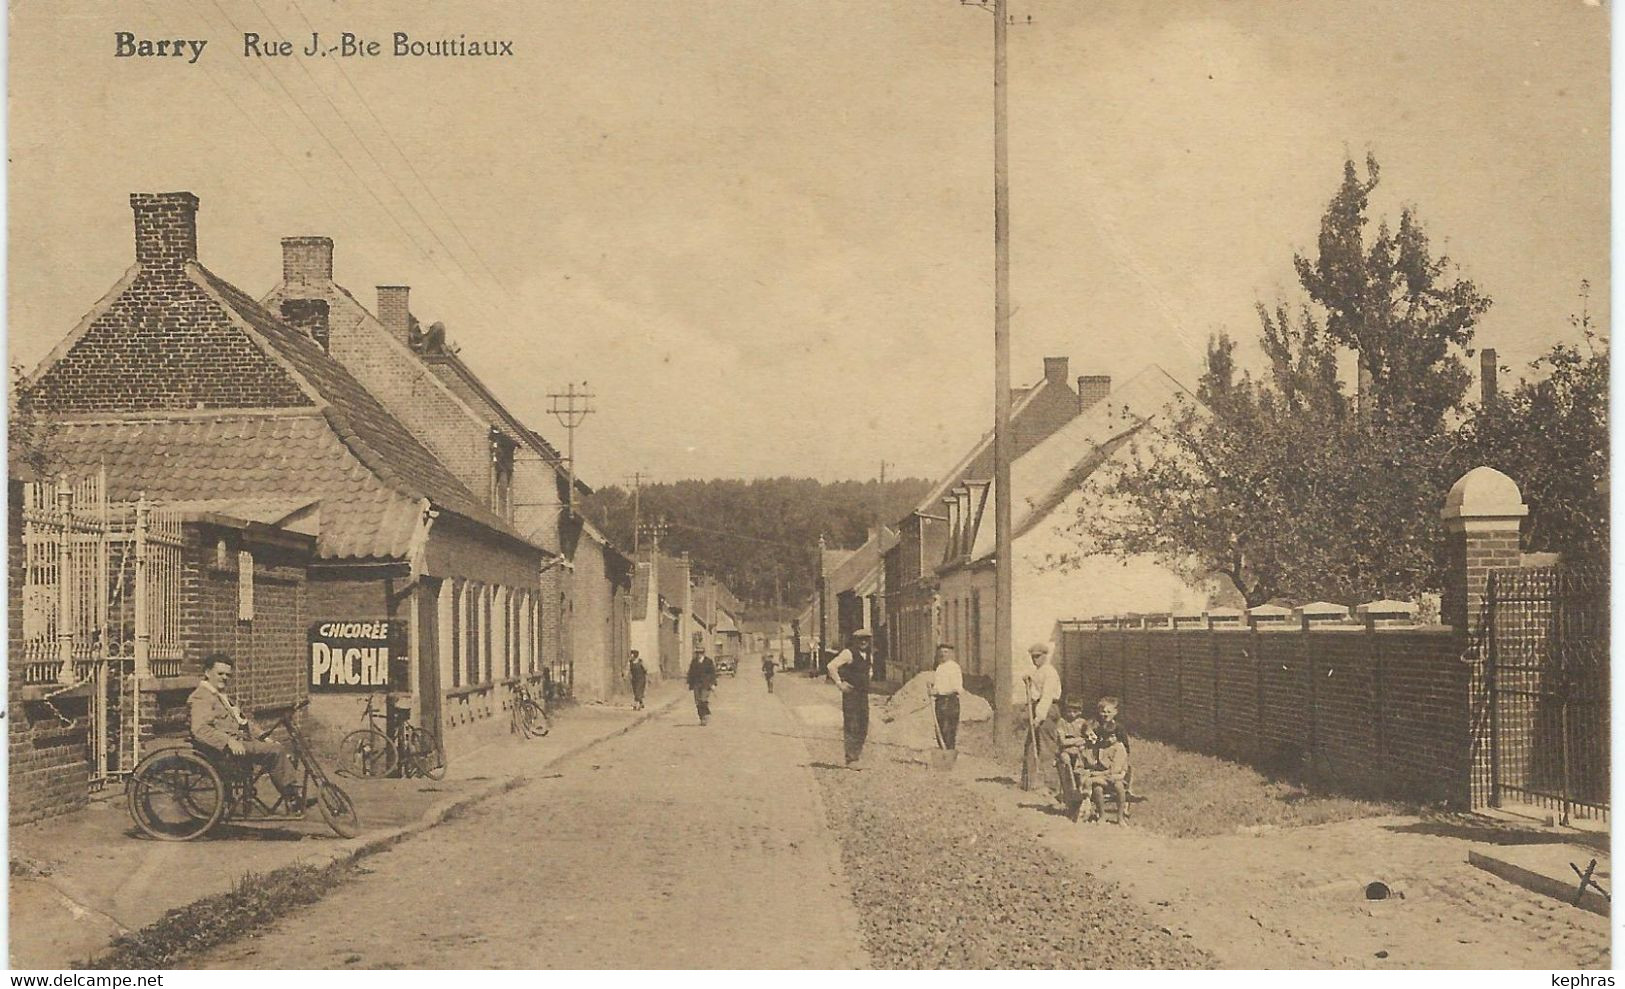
x=1110, y=769
x=1107, y=717
x=1076, y=740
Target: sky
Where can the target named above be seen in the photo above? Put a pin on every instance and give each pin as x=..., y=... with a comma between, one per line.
x=761, y=230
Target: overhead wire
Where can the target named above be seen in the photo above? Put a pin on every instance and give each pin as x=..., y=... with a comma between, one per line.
x=407, y=159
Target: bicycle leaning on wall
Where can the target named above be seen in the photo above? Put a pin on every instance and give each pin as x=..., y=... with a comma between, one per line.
x=372, y=753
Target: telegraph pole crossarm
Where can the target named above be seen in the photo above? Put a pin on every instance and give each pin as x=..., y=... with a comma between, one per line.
x=571, y=407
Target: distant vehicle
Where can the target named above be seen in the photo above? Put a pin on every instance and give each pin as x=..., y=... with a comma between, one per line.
x=728, y=666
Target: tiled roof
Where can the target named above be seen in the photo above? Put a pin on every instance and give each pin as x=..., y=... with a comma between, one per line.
x=673, y=575
x=376, y=437
x=291, y=453
x=1049, y=472
x=1020, y=400
x=862, y=562
x=640, y=591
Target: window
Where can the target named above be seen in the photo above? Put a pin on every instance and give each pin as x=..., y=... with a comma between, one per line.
x=471, y=633
x=502, y=450
x=976, y=629
x=450, y=673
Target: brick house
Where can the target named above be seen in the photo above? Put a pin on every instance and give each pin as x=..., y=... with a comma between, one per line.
x=586, y=586
x=914, y=621
x=664, y=623
x=1050, y=487
x=853, y=590
x=188, y=391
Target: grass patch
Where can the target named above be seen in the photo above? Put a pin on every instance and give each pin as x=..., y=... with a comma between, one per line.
x=1185, y=794
x=256, y=900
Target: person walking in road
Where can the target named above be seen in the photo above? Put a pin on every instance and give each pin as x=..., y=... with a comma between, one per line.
x=769, y=668
x=850, y=671
x=640, y=681
x=1042, y=697
x=702, y=679
x=946, y=685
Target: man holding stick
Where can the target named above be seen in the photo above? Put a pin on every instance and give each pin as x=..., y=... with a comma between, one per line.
x=1042, y=696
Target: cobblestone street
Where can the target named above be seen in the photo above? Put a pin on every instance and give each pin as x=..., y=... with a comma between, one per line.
x=745, y=844
x=673, y=846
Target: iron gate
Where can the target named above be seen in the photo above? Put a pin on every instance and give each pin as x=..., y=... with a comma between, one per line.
x=101, y=608
x=1548, y=689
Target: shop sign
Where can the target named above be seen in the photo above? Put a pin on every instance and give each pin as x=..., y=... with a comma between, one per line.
x=357, y=657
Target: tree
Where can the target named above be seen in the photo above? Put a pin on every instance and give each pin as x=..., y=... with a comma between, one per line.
x=1278, y=483
x=30, y=427
x=1550, y=434
x=1402, y=311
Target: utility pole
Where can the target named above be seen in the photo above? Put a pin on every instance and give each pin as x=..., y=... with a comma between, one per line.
x=570, y=408
x=823, y=610
x=637, y=487
x=1003, y=689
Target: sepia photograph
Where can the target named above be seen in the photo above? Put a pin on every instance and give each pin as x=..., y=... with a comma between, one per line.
x=808, y=485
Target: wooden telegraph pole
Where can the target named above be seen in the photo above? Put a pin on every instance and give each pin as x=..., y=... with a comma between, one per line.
x=1003, y=689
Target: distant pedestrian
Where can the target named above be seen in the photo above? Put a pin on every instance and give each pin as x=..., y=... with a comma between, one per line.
x=1043, y=695
x=702, y=679
x=947, y=683
x=769, y=668
x=640, y=681
x=850, y=670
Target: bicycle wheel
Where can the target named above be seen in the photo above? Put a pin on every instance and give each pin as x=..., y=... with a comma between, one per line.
x=424, y=755
x=176, y=795
x=366, y=753
x=536, y=723
x=337, y=809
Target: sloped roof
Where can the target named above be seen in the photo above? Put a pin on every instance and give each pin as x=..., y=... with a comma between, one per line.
x=377, y=438
x=242, y=457
x=640, y=590
x=1022, y=398
x=1055, y=468
x=450, y=368
x=672, y=577
x=863, y=560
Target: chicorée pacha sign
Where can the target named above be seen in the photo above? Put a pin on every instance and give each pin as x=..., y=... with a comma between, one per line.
x=357, y=657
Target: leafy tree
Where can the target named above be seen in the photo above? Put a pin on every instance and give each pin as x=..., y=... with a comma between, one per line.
x=1400, y=309
x=1550, y=434
x=1278, y=482
x=760, y=537
x=30, y=428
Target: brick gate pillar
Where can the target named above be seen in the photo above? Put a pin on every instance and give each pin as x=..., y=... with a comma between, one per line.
x=1482, y=515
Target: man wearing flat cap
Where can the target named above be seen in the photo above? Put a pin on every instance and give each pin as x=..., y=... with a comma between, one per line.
x=850, y=671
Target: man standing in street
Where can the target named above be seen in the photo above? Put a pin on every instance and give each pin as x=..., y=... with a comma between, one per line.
x=946, y=685
x=702, y=679
x=850, y=671
x=640, y=681
x=769, y=668
x=1042, y=695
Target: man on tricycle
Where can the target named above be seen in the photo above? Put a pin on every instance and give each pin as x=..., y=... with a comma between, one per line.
x=219, y=724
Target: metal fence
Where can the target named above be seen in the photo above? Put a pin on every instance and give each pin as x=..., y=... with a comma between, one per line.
x=101, y=600
x=1548, y=681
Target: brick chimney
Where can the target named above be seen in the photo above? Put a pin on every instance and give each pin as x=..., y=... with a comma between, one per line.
x=1092, y=389
x=1488, y=386
x=1055, y=370
x=393, y=311
x=309, y=316
x=165, y=229
x=307, y=260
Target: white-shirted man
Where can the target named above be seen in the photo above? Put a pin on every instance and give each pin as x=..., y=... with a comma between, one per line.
x=947, y=683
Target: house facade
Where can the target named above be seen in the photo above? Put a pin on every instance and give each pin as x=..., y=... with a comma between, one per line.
x=1052, y=574
x=186, y=390
x=586, y=587
x=916, y=619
